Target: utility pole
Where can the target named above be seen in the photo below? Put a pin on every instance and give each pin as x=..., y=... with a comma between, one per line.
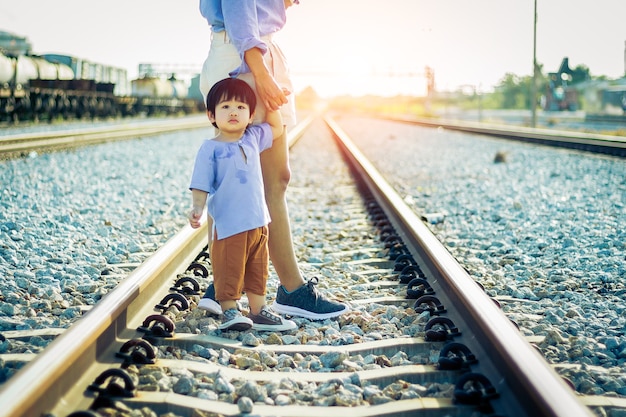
x=533, y=87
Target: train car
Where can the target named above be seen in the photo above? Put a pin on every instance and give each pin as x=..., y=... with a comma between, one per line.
x=153, y=94
x=88, y=70
x=53, y=85
x=49, y=86
x=159, y=87
x=614, y=99
x=33, y=88
x=606, y=102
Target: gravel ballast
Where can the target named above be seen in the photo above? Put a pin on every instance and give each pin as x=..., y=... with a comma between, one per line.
x=545, y=227
x=72, y=224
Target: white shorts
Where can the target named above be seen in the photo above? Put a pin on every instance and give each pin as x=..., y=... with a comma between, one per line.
x=224, y=58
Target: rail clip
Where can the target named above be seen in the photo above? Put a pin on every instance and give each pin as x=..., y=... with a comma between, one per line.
x=418, y=287
x=455, y=356
x=430, y=304
x=173, y=300
x=186, y=286
x=474, y=389
x=411, y=272
x=198, y=270
x=137, y=351
x=113, y=388
x=158, y=325
x=402, y=261
x=440, y=329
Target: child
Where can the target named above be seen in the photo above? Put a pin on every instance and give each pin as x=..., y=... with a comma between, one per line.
x=227, y=170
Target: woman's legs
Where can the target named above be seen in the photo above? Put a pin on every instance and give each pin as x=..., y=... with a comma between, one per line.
x=294, y=296
x=276, y=176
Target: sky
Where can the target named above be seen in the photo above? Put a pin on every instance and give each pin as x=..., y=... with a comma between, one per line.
x=356, y=47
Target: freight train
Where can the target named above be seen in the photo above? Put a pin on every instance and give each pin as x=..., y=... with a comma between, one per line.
x=49, y=86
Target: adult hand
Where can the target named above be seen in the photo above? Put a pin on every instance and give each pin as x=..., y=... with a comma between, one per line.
x=268, y=90
x=270, y=93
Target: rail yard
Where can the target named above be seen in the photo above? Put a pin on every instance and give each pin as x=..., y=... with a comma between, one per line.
x=528, y=322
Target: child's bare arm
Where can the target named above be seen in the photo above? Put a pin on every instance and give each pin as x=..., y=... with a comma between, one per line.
x=275, y=120
x=198, y=198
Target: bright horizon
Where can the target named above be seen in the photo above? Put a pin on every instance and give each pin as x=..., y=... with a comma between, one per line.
x=342, y=47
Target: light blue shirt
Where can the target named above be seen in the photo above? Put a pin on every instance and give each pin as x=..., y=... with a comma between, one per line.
x=234, y=183
x=245, y=22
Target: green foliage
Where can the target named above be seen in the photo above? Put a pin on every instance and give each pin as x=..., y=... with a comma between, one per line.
x=580, y=73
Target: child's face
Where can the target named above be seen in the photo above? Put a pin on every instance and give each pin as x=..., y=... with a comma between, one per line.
x=232, y=115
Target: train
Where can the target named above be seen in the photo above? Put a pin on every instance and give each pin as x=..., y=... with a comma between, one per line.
x=51, y=86
x=559, y=93
x=598, y=98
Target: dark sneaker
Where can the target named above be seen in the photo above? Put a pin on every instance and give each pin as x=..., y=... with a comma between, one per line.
x=270, y=321
x=307, y=302
x=233, y=320
x=208, y=302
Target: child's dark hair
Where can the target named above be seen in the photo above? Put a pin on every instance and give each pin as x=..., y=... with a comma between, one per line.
x=228, y=89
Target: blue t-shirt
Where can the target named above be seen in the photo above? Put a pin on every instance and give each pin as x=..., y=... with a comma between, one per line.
x=234, y=182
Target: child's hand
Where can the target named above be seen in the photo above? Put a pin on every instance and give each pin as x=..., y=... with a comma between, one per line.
x=194, y=216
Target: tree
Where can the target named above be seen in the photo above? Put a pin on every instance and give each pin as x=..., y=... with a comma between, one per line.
x=512, y=92
x=580, y=73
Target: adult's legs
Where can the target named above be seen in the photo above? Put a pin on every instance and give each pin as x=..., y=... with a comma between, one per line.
x=276, y=176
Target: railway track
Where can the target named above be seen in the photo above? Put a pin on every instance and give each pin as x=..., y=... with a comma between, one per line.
x=476, y=362
x=597, y=143
x=19, y=144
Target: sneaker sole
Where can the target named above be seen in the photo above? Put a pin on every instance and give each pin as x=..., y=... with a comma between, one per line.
x=239, y=326
x=209, y=305
x=275, y=327
x=295, y=311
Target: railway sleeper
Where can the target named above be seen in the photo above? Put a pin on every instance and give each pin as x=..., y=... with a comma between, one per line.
x=182, y=405
x=284, y=388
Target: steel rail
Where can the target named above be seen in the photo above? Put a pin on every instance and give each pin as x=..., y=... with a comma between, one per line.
x=72, y=360
x=607, y=144
x=526, y=384
x=75, y=358
x=25, y=142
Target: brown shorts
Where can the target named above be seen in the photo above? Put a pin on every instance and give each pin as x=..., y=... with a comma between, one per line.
x=240, y=263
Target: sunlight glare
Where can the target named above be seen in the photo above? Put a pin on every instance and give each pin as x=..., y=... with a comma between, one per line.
x=360, y=75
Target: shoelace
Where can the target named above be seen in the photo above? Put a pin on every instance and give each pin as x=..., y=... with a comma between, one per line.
x=230, y=314
x=311, y=284
x=269, y=315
